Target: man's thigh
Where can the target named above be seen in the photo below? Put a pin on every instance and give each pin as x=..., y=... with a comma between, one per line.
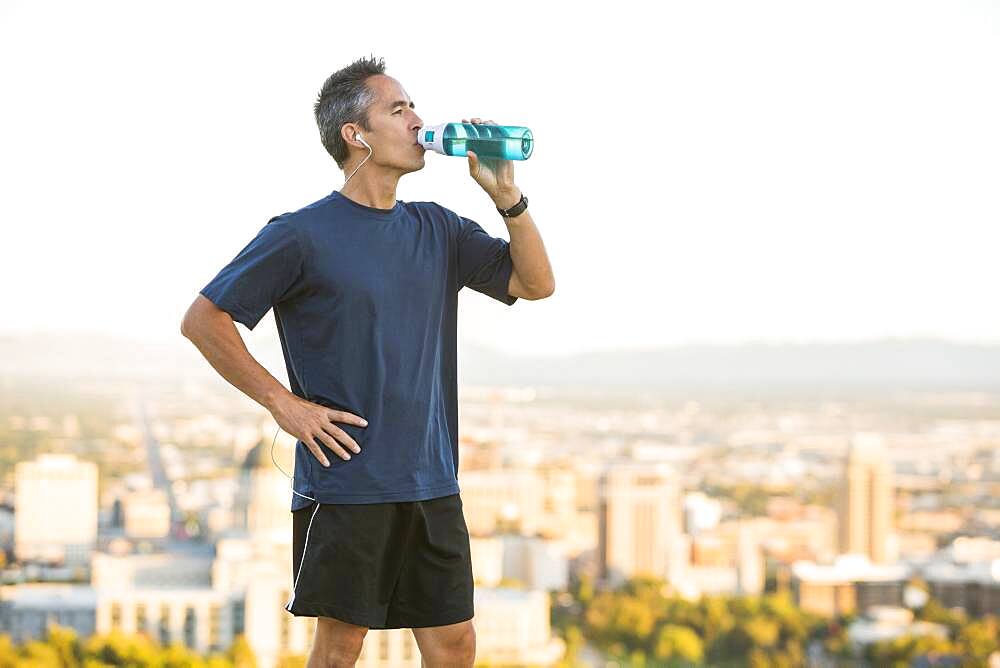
x=435, y=588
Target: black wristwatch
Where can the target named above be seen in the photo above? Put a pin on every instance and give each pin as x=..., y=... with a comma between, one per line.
x=515, y=210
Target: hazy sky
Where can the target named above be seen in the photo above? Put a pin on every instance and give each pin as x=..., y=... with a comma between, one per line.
x=703, y=171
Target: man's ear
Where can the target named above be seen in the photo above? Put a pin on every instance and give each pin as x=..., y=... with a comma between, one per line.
x=347, y=132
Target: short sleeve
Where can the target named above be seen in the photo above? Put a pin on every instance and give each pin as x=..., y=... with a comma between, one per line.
x=484, y=262
x=261, y=275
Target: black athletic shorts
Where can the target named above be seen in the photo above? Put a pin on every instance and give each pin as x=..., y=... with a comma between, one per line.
x=404, y=564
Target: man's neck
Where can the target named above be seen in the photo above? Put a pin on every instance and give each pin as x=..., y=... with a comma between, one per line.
x=372, y=189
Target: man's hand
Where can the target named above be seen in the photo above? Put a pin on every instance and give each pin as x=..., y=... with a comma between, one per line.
x=311, y=423
x=494, y=175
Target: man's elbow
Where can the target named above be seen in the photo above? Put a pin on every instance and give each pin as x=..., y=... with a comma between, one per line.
x=543, y=292
x=187, y=325
x=196, y=314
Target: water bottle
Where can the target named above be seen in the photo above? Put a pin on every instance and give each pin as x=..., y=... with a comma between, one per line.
x=503, y=142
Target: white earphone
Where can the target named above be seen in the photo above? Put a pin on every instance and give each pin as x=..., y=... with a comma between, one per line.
x=357, y=135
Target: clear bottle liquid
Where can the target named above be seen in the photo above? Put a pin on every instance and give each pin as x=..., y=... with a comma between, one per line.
x=503, y=142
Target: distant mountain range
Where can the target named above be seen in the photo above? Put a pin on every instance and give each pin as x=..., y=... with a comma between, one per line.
x=911, y=363
x=914, y=363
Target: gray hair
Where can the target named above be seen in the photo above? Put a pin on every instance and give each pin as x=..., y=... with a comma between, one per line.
x=345, y=98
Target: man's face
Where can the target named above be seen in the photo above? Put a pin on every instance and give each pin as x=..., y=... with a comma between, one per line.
x=394, y=125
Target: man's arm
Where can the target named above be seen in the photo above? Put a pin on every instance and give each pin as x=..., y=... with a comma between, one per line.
x=213, y=332
x=532, y=276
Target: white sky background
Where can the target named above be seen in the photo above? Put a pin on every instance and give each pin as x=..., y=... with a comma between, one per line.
x=703, y=172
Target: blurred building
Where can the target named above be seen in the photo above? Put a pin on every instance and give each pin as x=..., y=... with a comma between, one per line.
x=809, y=535
x=146, y=514
x=639, y=523
x=502, y=498
x=204, y=596
x=487, y=560
x=882, y=623
x=388, y=648
x=190, y=594
x=26, y=610
x=559, y=507
x=852, y=583
x=55, y=516
x=974, y=587
x=167, y=596
x=727, y=561
x=701, y=513
x=512, y=628
x=865, y=500
x=966, y=575
x=262, y=499
x=534, y=562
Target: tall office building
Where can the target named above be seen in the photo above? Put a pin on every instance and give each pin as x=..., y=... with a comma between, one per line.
x=262, y=498
x=865, y=503
x=639, y=523
x=508, y=498
x=55, y=518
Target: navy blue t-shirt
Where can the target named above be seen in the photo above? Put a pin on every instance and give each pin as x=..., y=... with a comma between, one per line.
x=365, y=301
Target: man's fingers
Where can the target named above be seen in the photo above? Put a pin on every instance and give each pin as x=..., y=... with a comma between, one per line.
x=342, y=436
x=331, y=443
x=317, y=451
x=344, y=416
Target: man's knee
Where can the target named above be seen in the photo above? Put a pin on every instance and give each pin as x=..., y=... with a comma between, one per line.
x=453, y=649
x=336, y=643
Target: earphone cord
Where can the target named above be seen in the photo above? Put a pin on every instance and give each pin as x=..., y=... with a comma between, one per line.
x=359, y=166
x=283, y=470
x=279, y=428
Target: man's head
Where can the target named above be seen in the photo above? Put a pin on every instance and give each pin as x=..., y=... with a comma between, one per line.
x=361, y=98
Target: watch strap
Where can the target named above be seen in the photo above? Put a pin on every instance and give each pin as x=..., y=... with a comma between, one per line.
x=515, y=210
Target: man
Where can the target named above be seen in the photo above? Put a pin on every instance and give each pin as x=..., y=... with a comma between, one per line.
x=364, y=289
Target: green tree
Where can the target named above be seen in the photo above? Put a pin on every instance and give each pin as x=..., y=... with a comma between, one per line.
x=292, y=661
x=619, y=618
x=678, y=642
x=240, y=653
x=38, y=654
x=66, y=644
x=180, y=656
x=585, y=590
x=633, y=621
x=761, y=632
x=900, y=652
x=980, y=638
x=8, y=653
x=794, y=624
x=933, y=611
x=117, y=649
x=717, y=617
x=574, y=641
